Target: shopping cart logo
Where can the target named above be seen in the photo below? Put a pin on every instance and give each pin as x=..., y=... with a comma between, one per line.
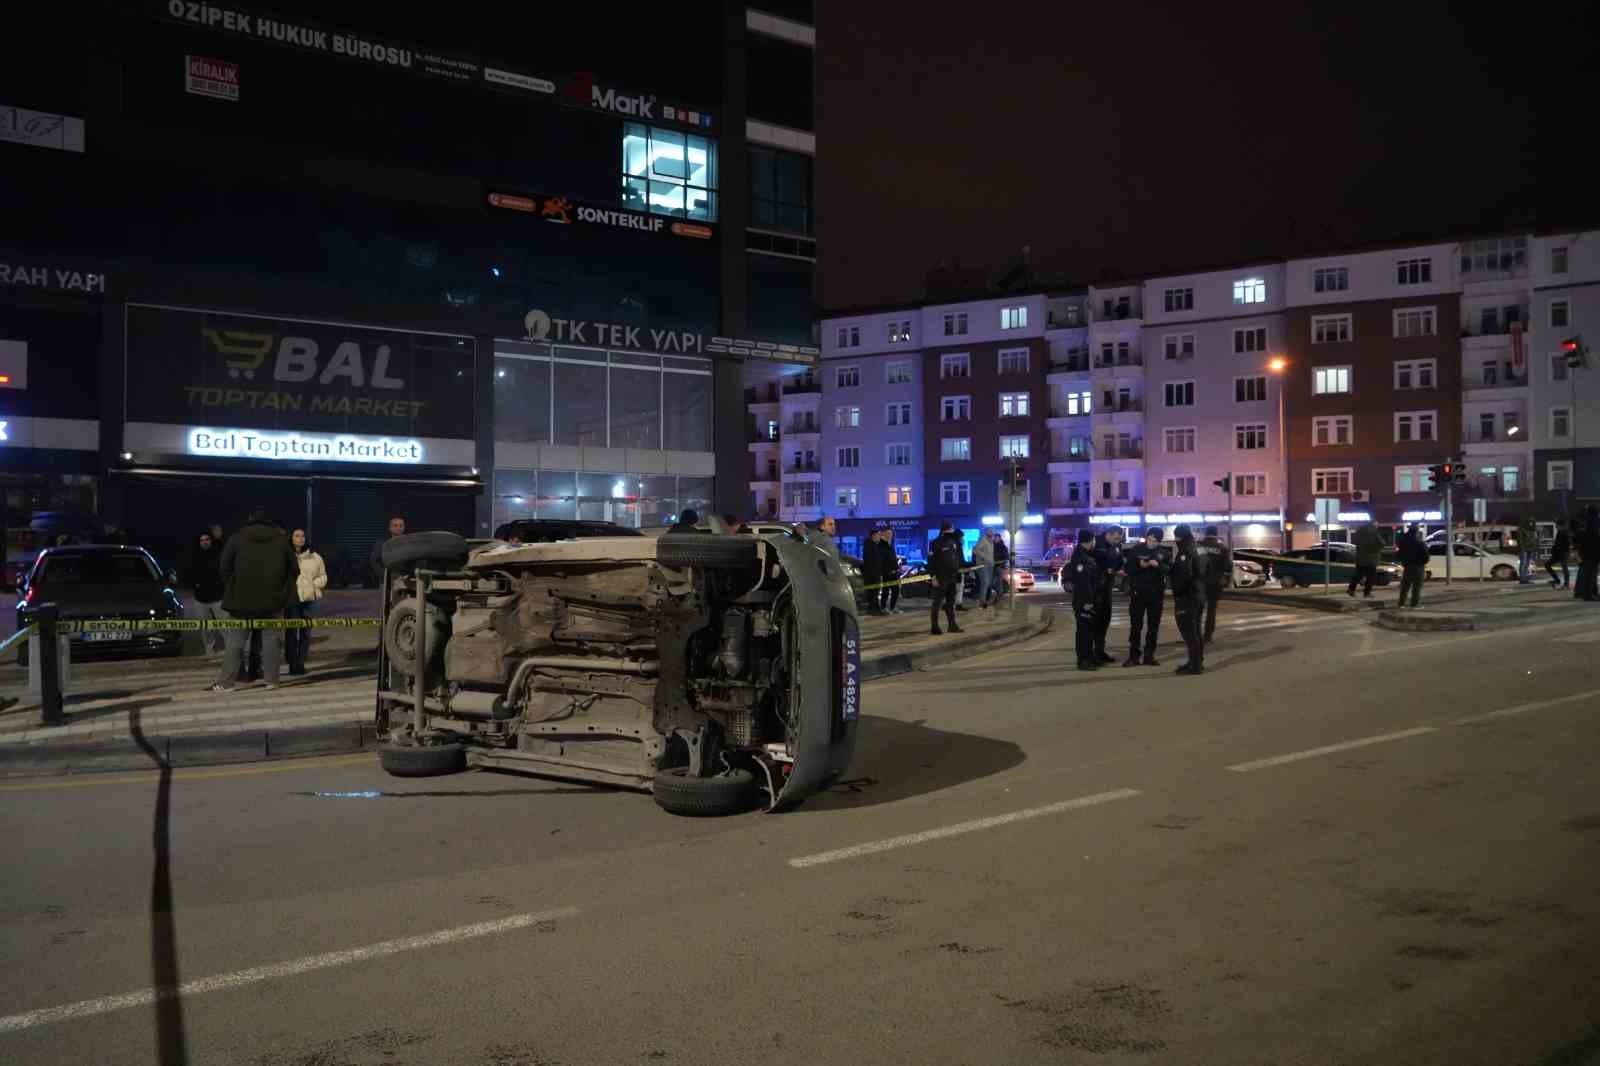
x=243, y=351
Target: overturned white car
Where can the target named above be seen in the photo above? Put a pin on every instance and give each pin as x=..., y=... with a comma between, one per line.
x=708, y=668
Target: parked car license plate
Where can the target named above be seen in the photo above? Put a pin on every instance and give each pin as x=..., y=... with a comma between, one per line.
x=94, y=637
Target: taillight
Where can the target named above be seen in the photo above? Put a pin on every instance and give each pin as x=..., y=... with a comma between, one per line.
x=27, y=598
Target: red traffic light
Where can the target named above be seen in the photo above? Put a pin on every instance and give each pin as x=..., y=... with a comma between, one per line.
x=1569, y=346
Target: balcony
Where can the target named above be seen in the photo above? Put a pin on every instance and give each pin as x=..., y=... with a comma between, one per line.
x=1502, y=378
x=802, y=388
x=1133, y=405
x=1121, y=451
x=1068, y=318
x=761, y=394
x=1120, y=504
x=1500, y=326
x=794, y=469
x=801, y=429
x=1071, y=364
x=1117, y=312
x=1069, y=457
x=1496, y=490
x=758, y=440
x=1478, y=435
x=1132, y=359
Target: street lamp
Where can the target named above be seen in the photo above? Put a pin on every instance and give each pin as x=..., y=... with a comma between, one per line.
x=1280, y=366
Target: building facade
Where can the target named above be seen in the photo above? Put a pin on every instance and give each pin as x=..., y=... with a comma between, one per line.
x=1565, y=424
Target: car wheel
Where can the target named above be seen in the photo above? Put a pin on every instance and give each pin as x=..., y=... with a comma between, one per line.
x=412, y=548
x=704, y=549
x=1503, y=572
x=676, y=792
x=422, y=760
x=1286, y=581
x=400, y=637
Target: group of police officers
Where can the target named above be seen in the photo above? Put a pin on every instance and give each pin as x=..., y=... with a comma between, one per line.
x=1197, y=573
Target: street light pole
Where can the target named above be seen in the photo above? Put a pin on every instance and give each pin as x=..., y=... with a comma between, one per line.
x=1279, y=365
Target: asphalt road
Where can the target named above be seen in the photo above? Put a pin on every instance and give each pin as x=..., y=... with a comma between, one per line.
x=1340, y=845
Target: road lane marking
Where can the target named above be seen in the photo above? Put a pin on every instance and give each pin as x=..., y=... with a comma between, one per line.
x=144, y=776
x=88, y=1008
x=1524, y=708
x=1279, y=760
x=959, y=828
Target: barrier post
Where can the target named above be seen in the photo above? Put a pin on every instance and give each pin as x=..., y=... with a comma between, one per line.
x=45, y=654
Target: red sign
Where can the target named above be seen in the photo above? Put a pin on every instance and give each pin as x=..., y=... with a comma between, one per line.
x=1516, y=348
x=216, y=78
x=513, y=203
x=689, y=229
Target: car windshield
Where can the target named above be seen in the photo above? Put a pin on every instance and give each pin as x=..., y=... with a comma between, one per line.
x=96, y=568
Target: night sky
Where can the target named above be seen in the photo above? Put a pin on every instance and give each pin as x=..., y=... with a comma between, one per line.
x=1143, y=136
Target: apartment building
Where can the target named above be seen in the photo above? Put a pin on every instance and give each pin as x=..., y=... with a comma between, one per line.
x=1068, y=414
x=1496, y=282
x=1565, y=403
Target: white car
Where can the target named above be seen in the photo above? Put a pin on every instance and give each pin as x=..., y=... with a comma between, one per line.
x=1472, y=563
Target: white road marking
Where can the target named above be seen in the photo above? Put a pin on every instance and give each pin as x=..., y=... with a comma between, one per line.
x=1279, y=760
x=275, y=971
x=1524, y=708
x=959, y=828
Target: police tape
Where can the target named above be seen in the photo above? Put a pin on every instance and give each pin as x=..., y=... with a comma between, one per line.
x=192, y=625
x=17, y=638
x=912, y=580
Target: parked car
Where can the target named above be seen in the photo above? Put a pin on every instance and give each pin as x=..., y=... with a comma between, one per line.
x=105, y=581
x=1248, y=574
x=1471, y=562
x=705, y=669
x=1304, y=566
x=1021, y=579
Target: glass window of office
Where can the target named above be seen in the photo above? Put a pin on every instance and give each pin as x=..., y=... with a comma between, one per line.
x=591, y=398
x=668, y=172
x=638, y=501
x=781, y=191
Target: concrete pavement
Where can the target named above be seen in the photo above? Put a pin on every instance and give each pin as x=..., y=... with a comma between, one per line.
x=1389, y=858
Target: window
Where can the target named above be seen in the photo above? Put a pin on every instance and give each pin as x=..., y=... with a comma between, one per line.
x=1250, y=390
x=1558, y=367
x=1326, y=380
x=1178, y=440
x=1122, y=490
x=955, y=365
x=1014, y=447
x=1013, y=404
x=897, y=454
x=668, y=172
x=1330, y=329
x=1559, y=314
x=1330, y=279
x=1013, y=360
x=1413, y=271
x=1178, y=300
x=849, y=336
x=1416, y=322
x=849, y=458
x=1075, y=492
x=1415, y=374
x=1415, y=425
x=1250, y=437
x=847, y=496
x=1250, y=291
x=801, y=494
x=1331, y=481
x=1180, y=486
x=955, y=449
x=955, y=325
x=900, y=332
x=1014, y=317
x=1253, y=339
x=1078, y=403
x=956, y=409
x=1411, y=479
x=1331, y=430
x=899, y=495
x=1180, y=393
x=1178, y=345
x=1510, y=479
x=847, y=377
x=1078, y=446
x=954, y=492
x=1558, y=475
x=1558, y=260
x=1560, y=421
x=782, y=194
x=1249, y=484
x=1494, y=255
x=847, y=417
x=898, y=414
x=897, y=374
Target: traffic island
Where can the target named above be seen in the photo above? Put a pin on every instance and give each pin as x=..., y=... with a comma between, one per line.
x=1419, y=620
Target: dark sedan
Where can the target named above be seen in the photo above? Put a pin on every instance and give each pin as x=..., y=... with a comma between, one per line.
x=1304, y=566
x=105, y=581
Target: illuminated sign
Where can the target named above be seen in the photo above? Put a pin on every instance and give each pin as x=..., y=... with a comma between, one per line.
x=1422, y=516
x=303, y=447
x=1113, y=519
x=544, y=327
x=211, y=77
x=3, y=436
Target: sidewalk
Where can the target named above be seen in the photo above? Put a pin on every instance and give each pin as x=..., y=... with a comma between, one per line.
x=109, y=706
x=1435, y=593
x=1501, y=605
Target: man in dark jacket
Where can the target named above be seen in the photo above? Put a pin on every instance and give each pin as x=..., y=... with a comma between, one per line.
x=1412, y=555
x=1188, y=577
x=945, y=563
x=1219, y=571
x=889, y=567
x=202, y=572
x=1108, y=553
x=1083, y=570
x=1147, y=581
x=872, y=572
x=1558, y=557
x=1369, y=552
x=258, y=579
x=397, y=528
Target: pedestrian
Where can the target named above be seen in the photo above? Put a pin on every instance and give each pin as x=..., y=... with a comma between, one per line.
x=733, y=524
x=1558, y=557
x=259, y=573
x=1083, y=570
x=202, y=572
x=1369, y=551
x=1108, y=553
x=823, y=540
x=872, y=572
x=983, y=564
x=889, y=564
x=397, y=528
x=1219, y=574
x=1412, y=554
x=1147, y=581
x=1527, y=548
x=1589, y=548
x=688, y=519
x=945, y=563
x=1188, y=578
x=311, y=579
x=1002, y=565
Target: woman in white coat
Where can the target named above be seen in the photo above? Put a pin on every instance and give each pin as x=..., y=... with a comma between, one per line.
x=308, y=590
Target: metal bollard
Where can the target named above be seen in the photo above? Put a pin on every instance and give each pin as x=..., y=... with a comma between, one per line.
x=46, y=652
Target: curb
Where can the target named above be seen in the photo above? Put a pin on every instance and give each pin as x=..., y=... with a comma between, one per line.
x=1402, y=622
x=1327, y=604
x=184, y=750
x=896, y=663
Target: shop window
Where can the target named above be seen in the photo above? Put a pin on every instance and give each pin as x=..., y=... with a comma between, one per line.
x=580, y=394
x=686, y=407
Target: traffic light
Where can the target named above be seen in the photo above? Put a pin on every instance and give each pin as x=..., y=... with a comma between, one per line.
x=1574, y=350
x=1458, y=471
x=1224, y=482
x=1438, y=477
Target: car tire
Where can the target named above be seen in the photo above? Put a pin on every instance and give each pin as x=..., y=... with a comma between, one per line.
x=1286, y=581
x=675, y=792
x=411, y=548
x=422, y=760
x=400, y=637
x=705, y=549
x=1503, y=572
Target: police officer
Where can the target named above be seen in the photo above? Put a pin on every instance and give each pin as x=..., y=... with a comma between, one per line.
x=1219, y=571
x=1108, y=553
x=1188, y=578
x=1084, y=573
x=1147, y=580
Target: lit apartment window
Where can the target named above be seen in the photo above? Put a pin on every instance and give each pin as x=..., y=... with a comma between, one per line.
x=847, y=377
x=1249, y=484
x=1179, y=393
x=1253, y=339
x=1178, y=440
x=899, y=495
x=955, y=409
x=898, y=414
x=1494, y=256
x=847, y=418
x=955, y=324
x=1250, y=291
x=1014, y=447
x=1415, y=373
x=897, y=455
x=1331, y=279
x=1178, y=300
x=955, y=449
x=1411, y=479
x=1013, y=404
x=1330, y=329
x=1413, y=271
x=1014, y=360
x=1332, y=430
x=955, y=492
x=1180, y=487
x=1014, y=317
x=847, y=497
x=1250, y=437
x=1415, y=425
x=849, y=458
x=1332, y=481
x=1078, y=403
x=1250, y=390
x=955, y=365
x=1326, y=380
x=900, y=332
x=897, y=374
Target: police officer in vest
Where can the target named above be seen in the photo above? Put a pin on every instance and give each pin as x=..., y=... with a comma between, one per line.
x=1084, y=573
x=1188, y=577
x=1108, y=553
x=1219, y=573
x=1147, y=581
